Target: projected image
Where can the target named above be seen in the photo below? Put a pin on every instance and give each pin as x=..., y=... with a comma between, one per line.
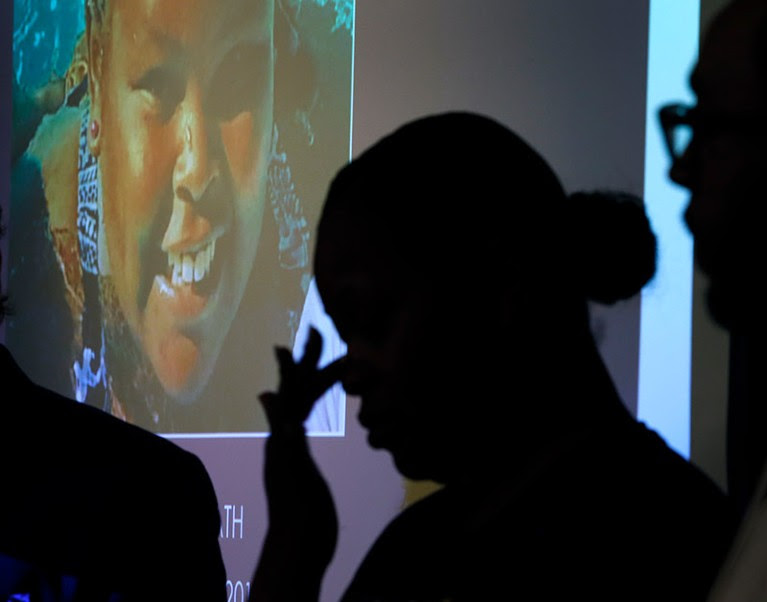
x=169, y=162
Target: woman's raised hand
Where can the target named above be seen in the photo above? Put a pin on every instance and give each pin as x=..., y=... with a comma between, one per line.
x=303, y=526
x=301, y=384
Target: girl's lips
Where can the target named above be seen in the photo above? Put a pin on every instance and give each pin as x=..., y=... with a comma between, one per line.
x=177, y=300
x=180, y=298
x=189, y=281
x=181, y=311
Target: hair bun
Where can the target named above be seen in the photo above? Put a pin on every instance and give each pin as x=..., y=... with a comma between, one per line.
x=617, y=246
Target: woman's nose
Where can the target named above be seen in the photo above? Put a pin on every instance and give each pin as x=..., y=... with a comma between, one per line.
x=196, y=168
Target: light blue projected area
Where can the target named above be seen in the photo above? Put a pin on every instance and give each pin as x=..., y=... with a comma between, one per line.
x=665, y=344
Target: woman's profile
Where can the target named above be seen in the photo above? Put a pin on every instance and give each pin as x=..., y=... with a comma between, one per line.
x=172, y=202
x=457, y=271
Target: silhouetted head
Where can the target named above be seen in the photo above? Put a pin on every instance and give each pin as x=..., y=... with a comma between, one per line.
x=457, y=271
x=725, y=163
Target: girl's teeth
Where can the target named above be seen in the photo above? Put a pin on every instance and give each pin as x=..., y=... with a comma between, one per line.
x=176, y=279
x=186, y=268
x=199, y=266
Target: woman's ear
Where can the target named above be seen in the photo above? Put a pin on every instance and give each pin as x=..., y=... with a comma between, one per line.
x=95, y=72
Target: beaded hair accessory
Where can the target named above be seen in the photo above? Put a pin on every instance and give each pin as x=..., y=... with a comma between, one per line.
x=90, y=382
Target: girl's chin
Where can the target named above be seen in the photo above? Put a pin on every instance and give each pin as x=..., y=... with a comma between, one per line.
x=176, y=362
x=178, y=357
x=182, y=364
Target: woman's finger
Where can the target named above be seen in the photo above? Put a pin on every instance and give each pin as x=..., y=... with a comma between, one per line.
x=301, y=382
x=268, y=400
x=312, y=349
x=284, y=357
x=330, y=374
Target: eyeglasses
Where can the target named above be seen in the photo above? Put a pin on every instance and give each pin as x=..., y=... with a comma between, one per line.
x=676, y=121
x=679, y=122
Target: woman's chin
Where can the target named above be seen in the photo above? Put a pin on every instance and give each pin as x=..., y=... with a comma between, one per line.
x=415, y=462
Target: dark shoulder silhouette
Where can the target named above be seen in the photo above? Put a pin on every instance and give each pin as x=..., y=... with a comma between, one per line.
x=92, y=508
x=107, y=505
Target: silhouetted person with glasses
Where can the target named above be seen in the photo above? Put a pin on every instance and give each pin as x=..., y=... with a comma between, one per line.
x=94, y=509
x=457, y=271
x=724, y=167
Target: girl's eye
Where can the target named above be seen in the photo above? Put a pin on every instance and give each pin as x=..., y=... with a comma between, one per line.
x=239, y=82
x=165, y=88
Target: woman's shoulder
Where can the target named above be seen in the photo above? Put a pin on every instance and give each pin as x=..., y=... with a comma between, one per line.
x=415, y=557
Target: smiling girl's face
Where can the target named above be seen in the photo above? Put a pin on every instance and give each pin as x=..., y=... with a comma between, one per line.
x=183, y=94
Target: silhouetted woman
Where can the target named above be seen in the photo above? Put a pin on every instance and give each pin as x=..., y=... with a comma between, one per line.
x=457, y=271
